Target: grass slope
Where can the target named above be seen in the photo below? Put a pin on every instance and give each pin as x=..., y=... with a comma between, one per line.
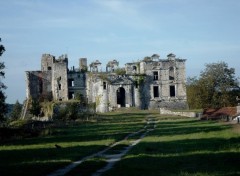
x=39, y=156
x=183, y=146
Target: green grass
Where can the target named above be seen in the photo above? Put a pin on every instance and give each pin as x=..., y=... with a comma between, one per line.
x=88, y=167
x=39, y=156
x=184, y=146
x=177, y=146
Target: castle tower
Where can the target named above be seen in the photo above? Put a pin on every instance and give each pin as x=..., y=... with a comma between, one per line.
x=83, y=64
x=60, y=78
x=47, y=62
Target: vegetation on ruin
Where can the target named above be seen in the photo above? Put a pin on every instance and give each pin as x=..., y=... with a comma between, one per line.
x=216, y=87
x=120, y=71
x=177, y=146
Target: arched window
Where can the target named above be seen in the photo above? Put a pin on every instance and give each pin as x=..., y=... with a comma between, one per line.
x=134, y=68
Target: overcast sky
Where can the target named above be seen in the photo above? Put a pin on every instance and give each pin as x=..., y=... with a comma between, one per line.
x=201, y=31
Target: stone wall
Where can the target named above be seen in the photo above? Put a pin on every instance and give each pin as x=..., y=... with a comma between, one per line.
x=60, y=79
x=76, y=84
x=238, y=109
x=169, y=112
x=33, y=81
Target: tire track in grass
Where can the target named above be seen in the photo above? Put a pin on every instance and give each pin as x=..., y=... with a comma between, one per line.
x=111, y=159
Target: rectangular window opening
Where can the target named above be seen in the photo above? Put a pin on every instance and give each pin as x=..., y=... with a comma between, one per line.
x=71, y=95
x=49, y=68
x=104, y=85
x=59, y=86
x=171, y=73
x=155, y=75
x=155, y=91
x=172, y=91
x=71, y=82
x=136, y=84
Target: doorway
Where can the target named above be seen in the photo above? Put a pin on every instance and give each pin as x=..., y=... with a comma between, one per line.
x=121, y=96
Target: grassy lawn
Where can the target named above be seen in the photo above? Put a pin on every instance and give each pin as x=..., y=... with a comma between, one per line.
x=39, y=156
x=178, y=146
x=184, y=146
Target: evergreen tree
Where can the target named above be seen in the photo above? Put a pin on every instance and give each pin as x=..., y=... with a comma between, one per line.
x=16, y=112
x=3, y=106
x=35, y=107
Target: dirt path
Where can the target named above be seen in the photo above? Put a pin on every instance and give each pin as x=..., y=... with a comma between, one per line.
x=112, y=158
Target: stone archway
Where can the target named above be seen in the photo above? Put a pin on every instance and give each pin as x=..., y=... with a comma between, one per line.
x=121, y=97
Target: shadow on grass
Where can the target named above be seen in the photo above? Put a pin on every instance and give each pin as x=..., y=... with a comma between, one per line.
x=187, y=127
x=42, y=161
x=183, y=156
x=81, y=133
x=224, y=164
x=187, y=146
x=49, y=159
x=88, y=167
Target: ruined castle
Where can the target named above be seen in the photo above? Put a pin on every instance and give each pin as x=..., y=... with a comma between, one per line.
x=147, y=84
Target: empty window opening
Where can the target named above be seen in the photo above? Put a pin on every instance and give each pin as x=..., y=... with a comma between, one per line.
x=71, y=82
x=171, y=73
x=104, y=85
x=155, y=91
x=59, y=86
x=136, y=84
x=172, y=91
x=134, y=68
x=155, y=75
x=49, y=68
x=71, y=95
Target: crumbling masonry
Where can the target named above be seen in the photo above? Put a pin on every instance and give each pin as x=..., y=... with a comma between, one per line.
x=146, y=84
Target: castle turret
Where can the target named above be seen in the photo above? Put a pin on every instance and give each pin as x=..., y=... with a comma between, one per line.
x=171, y=56
x=94, y=66
x=155, y=57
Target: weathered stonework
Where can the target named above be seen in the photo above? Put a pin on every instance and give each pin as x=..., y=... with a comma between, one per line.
x=148, y=84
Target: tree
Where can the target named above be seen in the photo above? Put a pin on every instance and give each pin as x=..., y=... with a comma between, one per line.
x=16, y=112
x=3, y=106
x=193, y=93
x=35, y=107
x=215, y=87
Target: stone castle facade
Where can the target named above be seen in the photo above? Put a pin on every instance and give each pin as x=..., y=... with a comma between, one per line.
x=146, y=84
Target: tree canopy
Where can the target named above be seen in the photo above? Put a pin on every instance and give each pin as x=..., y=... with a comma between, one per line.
x=16, y=112
x=3, y=106
x=216, y=87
